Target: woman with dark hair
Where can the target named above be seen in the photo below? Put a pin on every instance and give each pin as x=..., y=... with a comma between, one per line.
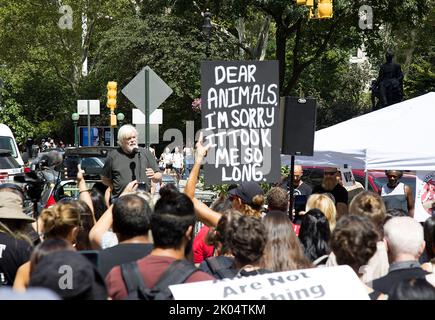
x=354, y=242
x=222, y=265
x=201, y=249
x=283, y=250
x=429, y=238
x=98, y=202
x=314, y=235
x=413, y=289
x=15, y=246
x=246, y=238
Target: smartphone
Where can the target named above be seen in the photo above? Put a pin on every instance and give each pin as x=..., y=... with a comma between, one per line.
x=142, y=186
x=71, y=164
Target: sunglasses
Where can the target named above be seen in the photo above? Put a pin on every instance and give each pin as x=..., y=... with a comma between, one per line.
x=330, y=173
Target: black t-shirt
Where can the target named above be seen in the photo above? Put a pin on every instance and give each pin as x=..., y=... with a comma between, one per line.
x=339, y=192
x=121, y=253
x=123, y=168
x=303, y=190
x=13, y=253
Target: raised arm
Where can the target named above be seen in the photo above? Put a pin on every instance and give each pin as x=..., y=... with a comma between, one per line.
x=104, y=224
x=84, y=193
x=203, y=212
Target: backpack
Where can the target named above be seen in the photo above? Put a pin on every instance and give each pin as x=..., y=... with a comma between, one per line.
x=177, y=272
x=220, y=269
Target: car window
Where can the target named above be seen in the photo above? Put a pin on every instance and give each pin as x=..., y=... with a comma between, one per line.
x=8, y=162
x=8, y=144
x=91, y=163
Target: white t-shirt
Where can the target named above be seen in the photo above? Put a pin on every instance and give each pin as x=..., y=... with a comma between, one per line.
x=177, y=160
x=167, y=158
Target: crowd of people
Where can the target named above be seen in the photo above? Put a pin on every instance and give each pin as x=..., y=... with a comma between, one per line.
x=133, y=244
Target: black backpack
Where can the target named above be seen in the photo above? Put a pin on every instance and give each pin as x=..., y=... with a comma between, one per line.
x=221, y=269
x=177, y=272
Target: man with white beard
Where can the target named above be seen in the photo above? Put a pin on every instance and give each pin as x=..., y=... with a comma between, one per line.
x=330, y=185
x=128, y=163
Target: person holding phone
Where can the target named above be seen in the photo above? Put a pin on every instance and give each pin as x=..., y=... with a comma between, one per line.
x=128, y=163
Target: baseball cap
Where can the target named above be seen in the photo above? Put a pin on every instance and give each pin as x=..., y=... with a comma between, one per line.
x=51, y=272
x=247, y=191
x=11, y=207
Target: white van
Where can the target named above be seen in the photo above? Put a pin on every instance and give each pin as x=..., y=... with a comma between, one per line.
x=7, y=141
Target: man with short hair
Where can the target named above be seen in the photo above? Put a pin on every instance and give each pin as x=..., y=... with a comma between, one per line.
x=131, y=223
x=128, y=163
x=278, y=200
x=330, y=185
x=172, y=226
x=405, y=243
x=396, y=194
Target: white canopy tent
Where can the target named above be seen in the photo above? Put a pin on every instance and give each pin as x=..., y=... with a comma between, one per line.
x=396, y=137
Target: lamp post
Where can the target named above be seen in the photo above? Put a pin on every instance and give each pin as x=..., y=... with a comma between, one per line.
x=206, y=29
x=75, y=118
x=120, y=117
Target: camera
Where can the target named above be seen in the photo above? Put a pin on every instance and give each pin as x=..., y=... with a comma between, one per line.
x=142, y=186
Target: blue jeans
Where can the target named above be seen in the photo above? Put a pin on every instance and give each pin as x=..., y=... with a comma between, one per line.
x=187, y=170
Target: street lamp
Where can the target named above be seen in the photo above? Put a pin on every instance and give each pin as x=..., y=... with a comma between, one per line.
x=206, y=29
x=75, y=118
x=120, y=117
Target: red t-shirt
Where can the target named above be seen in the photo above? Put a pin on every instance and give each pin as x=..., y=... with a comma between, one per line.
x=151, y=268
x=201, y=251
x=296, y=228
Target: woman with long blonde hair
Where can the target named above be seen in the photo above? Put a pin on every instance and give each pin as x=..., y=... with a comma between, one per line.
x=325, y=204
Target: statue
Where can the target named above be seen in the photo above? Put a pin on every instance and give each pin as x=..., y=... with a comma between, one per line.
x=389, y=85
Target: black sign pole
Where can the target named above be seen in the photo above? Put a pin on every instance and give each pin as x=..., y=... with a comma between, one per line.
x=291, y=186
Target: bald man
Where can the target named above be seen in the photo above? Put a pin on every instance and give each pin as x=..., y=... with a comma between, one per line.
x=300, y=187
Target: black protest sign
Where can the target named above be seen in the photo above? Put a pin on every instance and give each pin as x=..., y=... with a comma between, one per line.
x=239, y=108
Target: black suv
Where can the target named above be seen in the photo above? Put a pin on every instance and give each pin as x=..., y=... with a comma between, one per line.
x=92, y=160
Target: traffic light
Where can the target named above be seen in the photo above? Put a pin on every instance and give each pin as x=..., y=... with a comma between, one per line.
x=324, y=9
x=319, y=9
x=308, y=3
x=111, y=94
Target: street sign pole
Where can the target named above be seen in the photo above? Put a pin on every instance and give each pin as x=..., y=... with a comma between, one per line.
x=147, y=92
x=147, y=108
x=89, y=124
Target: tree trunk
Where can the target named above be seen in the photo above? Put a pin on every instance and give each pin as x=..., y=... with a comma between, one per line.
x=281, y=39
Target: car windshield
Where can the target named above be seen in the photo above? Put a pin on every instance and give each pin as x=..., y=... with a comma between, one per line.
x=8, y=162
x=410, y=181
x=92, y=162
x=8, y=144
